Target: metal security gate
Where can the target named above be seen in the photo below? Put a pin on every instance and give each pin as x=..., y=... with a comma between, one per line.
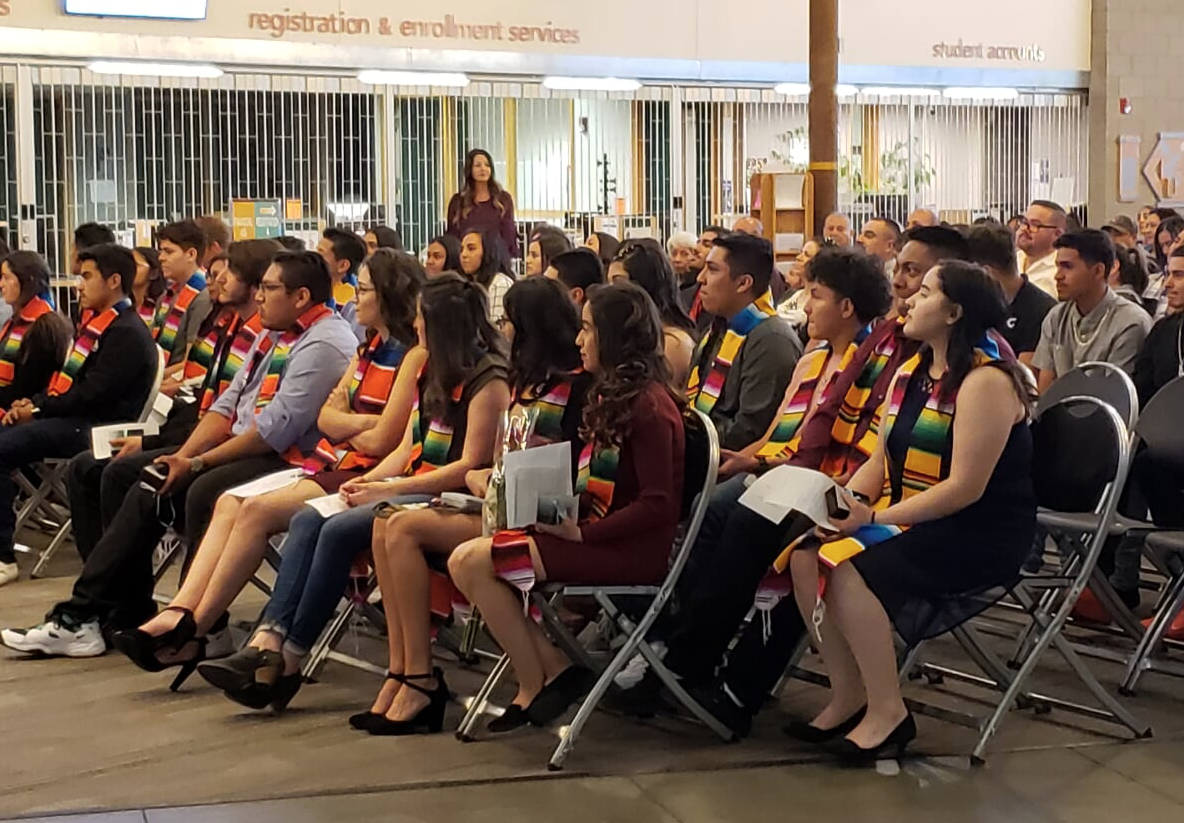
x=135, y=152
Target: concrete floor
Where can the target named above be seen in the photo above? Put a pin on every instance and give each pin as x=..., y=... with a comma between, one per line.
x=99, y=740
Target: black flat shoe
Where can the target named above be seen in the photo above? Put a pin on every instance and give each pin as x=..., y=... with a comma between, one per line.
x=852, y=756
x=141, y=648
x=809, y=733
x=514, y=717
x=362, y=720
x=557, y=696
x=430, y=718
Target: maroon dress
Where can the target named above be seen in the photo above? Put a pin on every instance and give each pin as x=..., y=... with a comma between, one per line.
x=485, y=215
x=630, y=546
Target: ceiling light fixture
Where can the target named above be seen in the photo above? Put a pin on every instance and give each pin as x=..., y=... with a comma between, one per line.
x=591, y=84
x=792, y=89
x=898, y=91
x=136, y=68
x=379, y=77
x=984, y=93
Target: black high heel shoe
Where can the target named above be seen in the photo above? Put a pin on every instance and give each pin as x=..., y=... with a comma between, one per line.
x=142, y=648
x=809, y=733
x=853, y=756
x=253, y=678
x=362, y=720
x=430, y=718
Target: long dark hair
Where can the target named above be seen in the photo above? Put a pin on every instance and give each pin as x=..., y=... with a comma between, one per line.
x=1173, y=225
x=30, y=270
x=398, y=278
x=451, y=251
x=456, y=324
x=629, y=336
x=552, y=243
x=386, y=237
x=468, y=195
x=545, y=324
x=649, y=267
x=156, y=281
x=495, y=259
x=984, y=309
x=606, y=246
x=1132, y=268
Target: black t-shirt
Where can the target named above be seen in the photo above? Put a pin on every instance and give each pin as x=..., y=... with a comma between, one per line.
x=1026, y=317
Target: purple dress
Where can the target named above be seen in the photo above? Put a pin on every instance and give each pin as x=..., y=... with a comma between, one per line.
x=485, y=215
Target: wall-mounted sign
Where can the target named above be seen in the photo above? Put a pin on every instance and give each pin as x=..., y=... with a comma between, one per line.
x=1164, y=169
x=253, y=219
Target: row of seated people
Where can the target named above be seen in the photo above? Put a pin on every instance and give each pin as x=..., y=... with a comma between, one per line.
x=450, y=434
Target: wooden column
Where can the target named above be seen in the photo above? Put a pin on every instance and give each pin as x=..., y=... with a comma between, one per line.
x=824, y=108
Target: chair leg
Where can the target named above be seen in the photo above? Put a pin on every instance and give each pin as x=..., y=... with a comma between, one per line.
x=58, y=538
x=464, y=732
x=1152, y=635
x=329, y=636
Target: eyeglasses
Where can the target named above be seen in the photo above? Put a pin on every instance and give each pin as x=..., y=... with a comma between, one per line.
x=1032, y=225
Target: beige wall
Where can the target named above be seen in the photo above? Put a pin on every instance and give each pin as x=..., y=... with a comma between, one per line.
x=1138, y=52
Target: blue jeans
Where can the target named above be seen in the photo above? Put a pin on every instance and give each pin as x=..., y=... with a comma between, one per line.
x=317, y=556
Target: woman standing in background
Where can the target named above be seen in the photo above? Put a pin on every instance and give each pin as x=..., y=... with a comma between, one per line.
x=482, y=205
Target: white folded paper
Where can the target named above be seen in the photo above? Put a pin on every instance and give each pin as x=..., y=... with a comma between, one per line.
x=544, y=471
x=267, y=483
x=787, y=489
x=101, y=436
x=328, y=505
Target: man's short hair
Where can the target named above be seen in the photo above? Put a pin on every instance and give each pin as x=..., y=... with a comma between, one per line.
x=719, y=231
x=749, y=255
x=92, y=234
x=308, y=270
x=291, y=243
x=186, y=234
x=579, y=268
x=993, y=245
x=854, y=275
x=946, y=243
x=1092, y=245
x=1055, y=208
x=111, y=259
x=347, y=246
x=215, y=230
x=893, y=228
x=250, y=259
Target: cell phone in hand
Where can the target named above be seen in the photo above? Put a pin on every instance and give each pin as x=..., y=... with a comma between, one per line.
x=836, y=504
x=153, y=477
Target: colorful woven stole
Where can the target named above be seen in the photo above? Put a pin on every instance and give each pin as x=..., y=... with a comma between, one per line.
x=231, y=353
x=166, y=323
x=201, y=354
x=275, y=350
x=781, y=443
x=704, y=392
x=369, y=390
x=90, y=331
x=345, y=292
x=14, y=333
x=597, y=478
x=147, y=312
x=855, y=401
x=429, y=451
x=549, y=410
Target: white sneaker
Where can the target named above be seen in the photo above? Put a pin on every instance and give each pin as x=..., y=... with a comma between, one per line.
x=8, y=573
x=55, y=639
x=636, y=668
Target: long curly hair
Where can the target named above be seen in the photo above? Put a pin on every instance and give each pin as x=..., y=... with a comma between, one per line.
x=630, y=346
x=398, y=278
x=468, y=195
x=456, y=324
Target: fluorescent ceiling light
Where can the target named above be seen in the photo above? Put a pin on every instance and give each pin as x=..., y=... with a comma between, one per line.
x=792, y=89
x=985, y=93
x=168, y=10
x=591, y=84
x=898, y=91
x=141, y=69
x=844, y=90
x=413, y=78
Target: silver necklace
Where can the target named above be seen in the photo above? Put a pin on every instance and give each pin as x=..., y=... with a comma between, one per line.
x=1076, y=326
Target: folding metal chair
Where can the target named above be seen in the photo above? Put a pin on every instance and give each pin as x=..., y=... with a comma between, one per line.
x=1105, y=381
x=53, y=473
x=702, y=463
x=1170, y=547
x=1069, y=480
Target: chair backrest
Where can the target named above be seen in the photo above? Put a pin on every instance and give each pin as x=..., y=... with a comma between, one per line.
x=1105, y=381
x=150, y=402
x=699, y=473
x=1159, y=426
x=1080, y=450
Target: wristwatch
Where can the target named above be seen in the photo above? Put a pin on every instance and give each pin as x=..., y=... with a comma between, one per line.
x=196, y=465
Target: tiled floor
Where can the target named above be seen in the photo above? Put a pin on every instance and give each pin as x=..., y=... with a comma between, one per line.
x=79, y=738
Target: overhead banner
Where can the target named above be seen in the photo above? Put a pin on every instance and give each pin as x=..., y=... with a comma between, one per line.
x=939, y=35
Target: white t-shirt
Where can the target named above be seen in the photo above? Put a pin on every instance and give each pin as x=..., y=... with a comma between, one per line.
x=1042, y=272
